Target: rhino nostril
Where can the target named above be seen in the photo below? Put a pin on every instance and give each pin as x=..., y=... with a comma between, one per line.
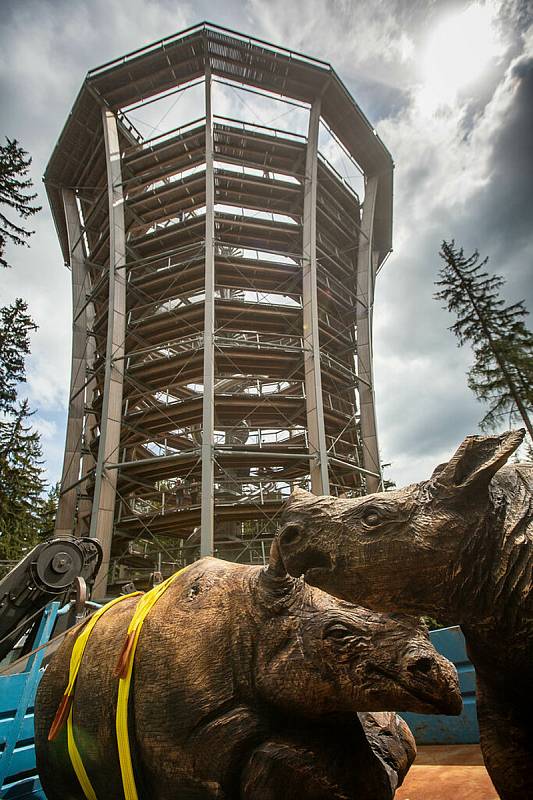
x=423, y=665
x=291, y=534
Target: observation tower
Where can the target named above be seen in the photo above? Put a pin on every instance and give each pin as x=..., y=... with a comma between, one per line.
x=223, y=275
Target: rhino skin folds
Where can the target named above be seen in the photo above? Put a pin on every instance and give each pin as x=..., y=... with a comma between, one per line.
x=458, y=547
x=247, y=684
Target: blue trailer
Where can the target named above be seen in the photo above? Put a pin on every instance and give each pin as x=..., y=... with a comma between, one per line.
x=18, y=772
x=31, y=596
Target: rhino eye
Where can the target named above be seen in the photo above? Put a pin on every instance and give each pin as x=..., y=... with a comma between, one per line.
x=371, y=517
x=338, y=631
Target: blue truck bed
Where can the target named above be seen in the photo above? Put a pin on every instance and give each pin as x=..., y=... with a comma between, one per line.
x=18, y=772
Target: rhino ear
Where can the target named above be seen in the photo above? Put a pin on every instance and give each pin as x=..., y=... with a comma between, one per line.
x=476, y=461
x=298, y=496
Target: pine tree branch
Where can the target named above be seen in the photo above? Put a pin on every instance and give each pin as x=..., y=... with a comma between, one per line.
x=453, y=261
x=14, y=166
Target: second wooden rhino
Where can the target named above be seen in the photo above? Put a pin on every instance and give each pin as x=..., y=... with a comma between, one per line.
x=458, y=547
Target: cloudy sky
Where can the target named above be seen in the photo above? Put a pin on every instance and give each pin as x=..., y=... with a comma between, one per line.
x=449, y=87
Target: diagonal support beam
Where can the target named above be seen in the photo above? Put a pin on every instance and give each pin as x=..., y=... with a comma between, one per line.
x=313, y=380
x=110, y=421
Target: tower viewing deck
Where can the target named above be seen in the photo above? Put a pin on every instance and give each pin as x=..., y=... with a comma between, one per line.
x=223, y=276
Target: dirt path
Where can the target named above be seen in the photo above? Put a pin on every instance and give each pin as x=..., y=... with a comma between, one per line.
x=448, y=773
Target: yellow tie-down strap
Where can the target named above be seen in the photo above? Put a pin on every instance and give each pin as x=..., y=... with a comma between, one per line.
x=65, y=707
x=124, y=672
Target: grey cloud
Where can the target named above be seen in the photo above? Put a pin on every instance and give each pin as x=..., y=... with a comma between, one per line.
x=379, y=99
x=424, y=405
x=499, y=221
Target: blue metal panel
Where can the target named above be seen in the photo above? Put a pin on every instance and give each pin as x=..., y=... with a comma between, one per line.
x=23, y=758
x=439, y=729
x=10, y=697
x=26, y=789
x=26, y=730
x=18, y=773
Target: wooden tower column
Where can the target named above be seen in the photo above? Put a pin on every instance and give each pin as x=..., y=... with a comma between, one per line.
x=311, y=336
x=110, y=420
x=365, y=293
x=66, y=512
x=208, y=413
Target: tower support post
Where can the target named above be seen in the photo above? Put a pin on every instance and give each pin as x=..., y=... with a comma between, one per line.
x=311, y=336
x=208, y=414
x=110, y=421
x=66, y=512
x=365, y=292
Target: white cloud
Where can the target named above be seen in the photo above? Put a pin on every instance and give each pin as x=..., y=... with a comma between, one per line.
x=347, y=34
x=458, y=52
x=450, y=162
x=46, y=428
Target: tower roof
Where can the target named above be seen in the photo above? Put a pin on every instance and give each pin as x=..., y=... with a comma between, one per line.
x=184, y=57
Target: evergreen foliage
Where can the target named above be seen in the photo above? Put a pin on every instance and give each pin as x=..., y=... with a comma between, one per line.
x=14, y=167
x=25, y=515
x=21, y=484
x=48, y=511
x=15, y=327
x=502, y=373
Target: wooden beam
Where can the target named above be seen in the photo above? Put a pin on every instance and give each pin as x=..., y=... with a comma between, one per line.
x=313, y=380
x=208, y=414
x=110, y=420
x=366, y=260
x=66, y=512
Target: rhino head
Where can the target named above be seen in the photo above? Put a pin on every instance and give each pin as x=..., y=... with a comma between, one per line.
x=318, y=656
x=407, y=549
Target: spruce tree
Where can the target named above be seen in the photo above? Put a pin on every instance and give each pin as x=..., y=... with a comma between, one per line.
x=23, y=512
x=502, y=373
x=48, y=511
x=14, y=183
x=21, y=484
x=15, y=327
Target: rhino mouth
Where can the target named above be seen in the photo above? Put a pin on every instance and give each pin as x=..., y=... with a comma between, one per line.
x=339, y=583
x=317, y=575
x=448, y=702
x=311, y=563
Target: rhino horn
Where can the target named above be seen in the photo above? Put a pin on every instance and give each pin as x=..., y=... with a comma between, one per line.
x=275, y=585
x=276, y=567
x=476, y=461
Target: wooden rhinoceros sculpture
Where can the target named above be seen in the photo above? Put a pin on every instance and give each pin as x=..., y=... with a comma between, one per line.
x=247, y=684
x=458, y=547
